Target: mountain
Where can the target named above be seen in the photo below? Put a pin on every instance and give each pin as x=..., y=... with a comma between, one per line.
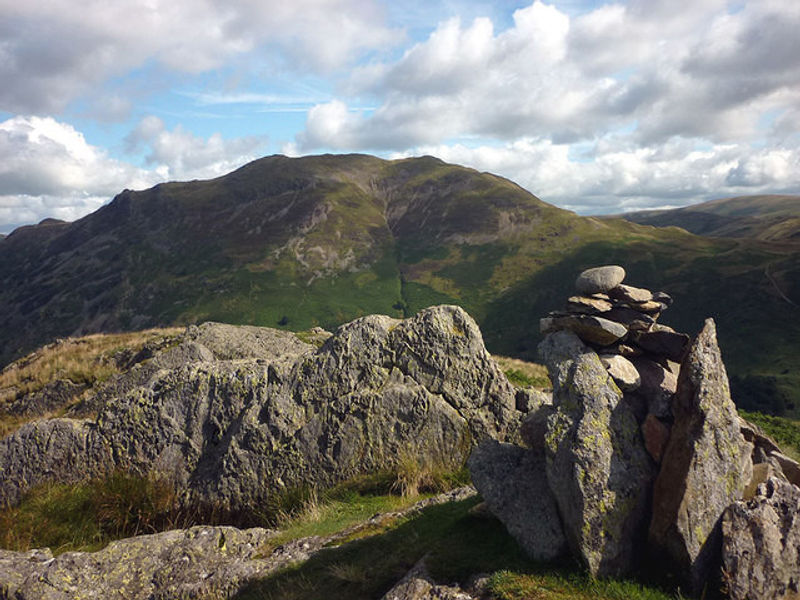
x=301, y=242
x=770, y=217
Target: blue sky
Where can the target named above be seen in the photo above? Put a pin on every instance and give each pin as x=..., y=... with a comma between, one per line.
x=592, y=106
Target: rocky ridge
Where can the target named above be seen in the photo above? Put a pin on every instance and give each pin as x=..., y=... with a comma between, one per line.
x=232, y=416
x=642, y=453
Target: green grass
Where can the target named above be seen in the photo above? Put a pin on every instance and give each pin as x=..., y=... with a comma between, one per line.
x=457, y=545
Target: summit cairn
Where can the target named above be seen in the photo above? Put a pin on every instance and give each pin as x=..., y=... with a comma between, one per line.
x=642, y=456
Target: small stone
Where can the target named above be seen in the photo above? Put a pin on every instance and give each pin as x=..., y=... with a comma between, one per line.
x=651, y=308
x=622, y=371
x=761, y=472
x=599, y=279
x=587, y=305
x=664, y=298
x=632, y=319
x=668, y=344
x=628, y=293
x=591, y=329
x=656, y=435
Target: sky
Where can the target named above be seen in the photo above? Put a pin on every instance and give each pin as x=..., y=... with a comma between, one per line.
x=595, y=107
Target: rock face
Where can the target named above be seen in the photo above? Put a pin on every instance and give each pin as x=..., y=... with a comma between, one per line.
x=597, y=466
x=705, y=467
x=232, y=424
x=513, y=483
x=761, y=544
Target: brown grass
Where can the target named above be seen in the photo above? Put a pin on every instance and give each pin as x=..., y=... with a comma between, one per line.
x=87, y=360
x=522, y=373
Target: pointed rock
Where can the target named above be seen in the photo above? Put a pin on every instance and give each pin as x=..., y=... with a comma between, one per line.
x=597, y=466
x=706, y=465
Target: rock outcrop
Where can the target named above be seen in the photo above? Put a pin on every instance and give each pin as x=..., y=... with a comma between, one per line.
x=761, y=544
x=706, y=465
x=644, y=453
x=233, y=424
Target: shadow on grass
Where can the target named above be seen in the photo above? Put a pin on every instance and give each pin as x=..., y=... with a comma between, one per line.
x=457, y=545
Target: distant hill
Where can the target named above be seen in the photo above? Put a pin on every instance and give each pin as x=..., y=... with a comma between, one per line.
x=771, y=218
x=299, y=242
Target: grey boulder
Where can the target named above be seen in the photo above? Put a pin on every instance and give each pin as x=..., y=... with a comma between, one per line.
x=513, y=483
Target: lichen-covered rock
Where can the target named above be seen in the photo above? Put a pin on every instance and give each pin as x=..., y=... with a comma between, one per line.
x=513, y=483
x=706, y=465
x=597, y=467
x=761, y=544
x=233, y=432
x=55, y=449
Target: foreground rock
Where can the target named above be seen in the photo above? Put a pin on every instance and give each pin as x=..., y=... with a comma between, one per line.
x=761, y=544
x=705, y=467
x=190, y=564
x=232, y=428
x=513, y=483
x=597, y=466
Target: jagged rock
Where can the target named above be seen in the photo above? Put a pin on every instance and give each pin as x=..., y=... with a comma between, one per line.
x=233, y=432
x=622, y=371
x=753, y=434
x=592, y=329
x=628, y=293
x=583, y=304
x=658, y=386
x=656, y=435
x=662, y=341
x=706, y=465
x=513, y=483
x=761, y=544
x=599, y=279
x=597, y=466
x=419, y=585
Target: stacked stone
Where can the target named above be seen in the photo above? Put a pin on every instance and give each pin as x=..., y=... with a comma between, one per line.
x=642, y=356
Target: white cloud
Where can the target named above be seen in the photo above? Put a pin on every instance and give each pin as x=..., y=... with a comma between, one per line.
x=179, y=154
x=50, y=52
x=624, y=177
x=47, y=168
x=691, y=70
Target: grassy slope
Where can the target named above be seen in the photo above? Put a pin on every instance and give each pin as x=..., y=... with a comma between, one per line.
x=321, y=240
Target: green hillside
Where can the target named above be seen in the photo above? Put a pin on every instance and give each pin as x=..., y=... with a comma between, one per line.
x=320, y=240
